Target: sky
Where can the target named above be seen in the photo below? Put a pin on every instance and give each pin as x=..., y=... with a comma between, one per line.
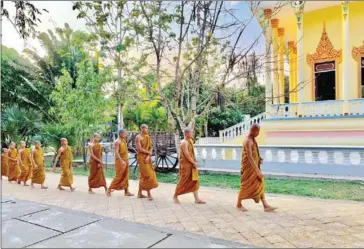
x=61, y=12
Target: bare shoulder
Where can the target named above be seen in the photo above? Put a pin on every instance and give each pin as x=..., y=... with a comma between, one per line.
x=116, y=142
x=248, y=141
x=61, y=150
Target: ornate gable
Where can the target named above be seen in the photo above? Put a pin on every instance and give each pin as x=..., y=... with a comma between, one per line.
x=325, y=51
x=358, y=52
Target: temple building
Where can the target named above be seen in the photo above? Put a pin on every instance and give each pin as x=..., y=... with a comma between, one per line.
x=320, y=45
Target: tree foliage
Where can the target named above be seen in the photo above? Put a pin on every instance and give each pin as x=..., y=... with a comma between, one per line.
x=26, y=17
x=83, y=108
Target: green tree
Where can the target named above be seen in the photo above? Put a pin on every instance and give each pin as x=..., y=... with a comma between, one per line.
x=64, y=49
x=83, y=108
x=19, y=124
x=20, y=83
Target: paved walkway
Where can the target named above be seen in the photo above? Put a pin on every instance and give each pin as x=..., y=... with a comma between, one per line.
x=299, y=222
x=32, y=225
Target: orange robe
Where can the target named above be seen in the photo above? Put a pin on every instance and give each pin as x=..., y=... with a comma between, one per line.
x=251, y=186
x=66, y=166
x=188, y=173
x=39, y=173
x=121, y=179
x=96, y=179
x=147, y=176
x=4, y=164
x=14, y=169
x=26, y=167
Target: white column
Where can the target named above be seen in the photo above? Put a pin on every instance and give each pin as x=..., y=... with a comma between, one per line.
x=268, y=62
x=300, y=63
x=298, y=7
x=345, y=81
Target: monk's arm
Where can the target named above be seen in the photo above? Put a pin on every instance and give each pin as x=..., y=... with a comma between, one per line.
x=248, y=147
x=93, y=155
x=187, y=154
x=19, y=158
x=57, y=158
x=32, y=159
x=139, y=147
x=117, y=148
x=12, y=159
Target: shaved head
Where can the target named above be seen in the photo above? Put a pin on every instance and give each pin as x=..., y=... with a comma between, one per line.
x=188, y=130
x=254, y=130
x=63, y=139
x=143, y=126
x=255, y=127
x=96, y=134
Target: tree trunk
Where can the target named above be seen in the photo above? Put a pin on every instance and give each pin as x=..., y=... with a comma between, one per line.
x=120, y=116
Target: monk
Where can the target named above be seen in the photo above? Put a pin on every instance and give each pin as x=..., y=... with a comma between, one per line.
x=252, y=178
x=96, y=179
x=65, y=155
x=13, y=163
x=121, y=179
x=188, y=174
x=147, y=176
x=38, y=176
x=4, y=162
x=25, y=161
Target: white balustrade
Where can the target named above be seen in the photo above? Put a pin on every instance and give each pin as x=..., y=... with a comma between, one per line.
x=325, y=155
x=329, y=108
x=241, y=128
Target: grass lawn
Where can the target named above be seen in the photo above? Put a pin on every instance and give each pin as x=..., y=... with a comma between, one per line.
x=308, y=188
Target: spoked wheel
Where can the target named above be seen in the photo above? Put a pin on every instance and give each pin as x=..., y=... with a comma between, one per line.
x=166, y=161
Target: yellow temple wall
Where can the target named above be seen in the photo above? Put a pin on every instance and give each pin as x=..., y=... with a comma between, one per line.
x=313, y=23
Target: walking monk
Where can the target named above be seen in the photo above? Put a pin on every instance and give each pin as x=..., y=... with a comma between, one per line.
x=4, y=162
x=188, y=174
x=13, y=163
x=96, y=179
x=252, y=179
x=147, y=176
x=121, y=179
x=65, y=155
x=25, y=161
x=38, y=176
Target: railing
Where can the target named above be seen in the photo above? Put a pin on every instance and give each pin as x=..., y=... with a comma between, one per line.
x=208, y=140
x=329, y=108
x=287, y=154
x=241, y=128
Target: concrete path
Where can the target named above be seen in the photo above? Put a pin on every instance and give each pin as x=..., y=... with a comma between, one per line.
x=33, y=225
x=299, y=222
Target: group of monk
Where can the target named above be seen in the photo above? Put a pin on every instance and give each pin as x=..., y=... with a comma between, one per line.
x=23, y=165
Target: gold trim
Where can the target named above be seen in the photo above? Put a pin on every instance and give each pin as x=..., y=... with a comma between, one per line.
x=325, y=52
x=358, y=53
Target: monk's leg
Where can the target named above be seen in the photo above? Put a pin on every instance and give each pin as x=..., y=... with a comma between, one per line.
x=90, y=191
x=43, y=187
x=140, y=194
x=266, y=206
x=25, y=183
x=149, y=195
x=239, y=206
x=197, y=198
x=73, y=189
x=60, y=187
x=32, y=184
x=127, y=193
x=175, y=199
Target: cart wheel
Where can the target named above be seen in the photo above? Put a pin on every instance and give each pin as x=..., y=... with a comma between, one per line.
x=166, y=162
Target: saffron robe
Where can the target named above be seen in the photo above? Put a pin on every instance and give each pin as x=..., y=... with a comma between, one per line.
x=14, y=169
x=66, y=164
x=38, y=173
x=251, y=186
x=188, y=173
x=96, y=179
x=26, y=167
x=121, y=179
x=147, y=176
